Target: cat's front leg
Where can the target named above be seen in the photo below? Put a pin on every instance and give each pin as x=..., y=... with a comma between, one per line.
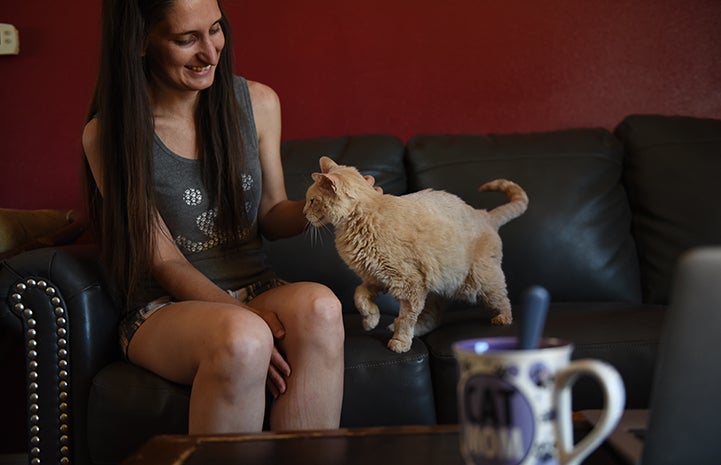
x=404, y=327
x=364, y=299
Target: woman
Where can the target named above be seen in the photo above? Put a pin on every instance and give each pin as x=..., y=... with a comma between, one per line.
x=184, y=174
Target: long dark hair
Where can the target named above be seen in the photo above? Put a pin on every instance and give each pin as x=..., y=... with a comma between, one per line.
x=124, y=217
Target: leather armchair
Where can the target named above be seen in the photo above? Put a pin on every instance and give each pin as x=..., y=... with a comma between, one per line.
x=58, y=301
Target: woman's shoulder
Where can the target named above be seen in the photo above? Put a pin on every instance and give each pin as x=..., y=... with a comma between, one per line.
x=91, y=149
x=261, y=93
x=90, y=133
x=263, y=98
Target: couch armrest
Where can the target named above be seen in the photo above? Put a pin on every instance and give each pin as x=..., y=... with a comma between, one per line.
x=57, y=299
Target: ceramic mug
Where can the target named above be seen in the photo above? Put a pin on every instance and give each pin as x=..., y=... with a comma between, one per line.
x=515, y=405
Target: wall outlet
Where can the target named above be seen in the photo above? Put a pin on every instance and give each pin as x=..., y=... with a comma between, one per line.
x=9, y=40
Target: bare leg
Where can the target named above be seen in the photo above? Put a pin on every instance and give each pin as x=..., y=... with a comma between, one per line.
x=313, y=346
x=222, y=350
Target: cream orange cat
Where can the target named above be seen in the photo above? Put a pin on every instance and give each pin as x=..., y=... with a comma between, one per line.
x=417, y=247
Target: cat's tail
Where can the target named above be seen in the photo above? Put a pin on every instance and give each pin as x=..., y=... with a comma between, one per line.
x=508, y=211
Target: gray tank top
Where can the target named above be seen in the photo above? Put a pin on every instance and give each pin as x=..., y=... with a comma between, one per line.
x=183, y=205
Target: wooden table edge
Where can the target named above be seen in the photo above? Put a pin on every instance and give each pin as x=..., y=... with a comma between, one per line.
x=175, y=448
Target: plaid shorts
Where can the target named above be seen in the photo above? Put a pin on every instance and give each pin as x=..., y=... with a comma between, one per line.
x=133, y=319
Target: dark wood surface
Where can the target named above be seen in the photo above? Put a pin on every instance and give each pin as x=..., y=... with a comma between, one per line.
x=406, y=445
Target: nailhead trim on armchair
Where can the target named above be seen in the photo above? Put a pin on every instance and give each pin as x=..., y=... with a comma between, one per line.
x=47, y=403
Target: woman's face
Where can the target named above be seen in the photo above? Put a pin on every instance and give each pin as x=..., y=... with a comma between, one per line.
x=184, y=49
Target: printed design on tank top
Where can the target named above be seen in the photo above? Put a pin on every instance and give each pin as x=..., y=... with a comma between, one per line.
x=193, y=197
x=206, y=220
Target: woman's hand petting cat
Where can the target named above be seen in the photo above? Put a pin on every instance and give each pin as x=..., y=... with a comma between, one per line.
x=372, y=181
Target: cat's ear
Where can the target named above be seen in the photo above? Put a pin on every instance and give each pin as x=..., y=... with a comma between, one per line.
x=326, y=164
x=325, y=181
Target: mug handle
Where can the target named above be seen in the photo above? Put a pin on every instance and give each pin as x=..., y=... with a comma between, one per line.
x=614, y=399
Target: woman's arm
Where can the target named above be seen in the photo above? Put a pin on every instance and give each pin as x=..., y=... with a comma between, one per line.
x=178, y=276
x=278, y=217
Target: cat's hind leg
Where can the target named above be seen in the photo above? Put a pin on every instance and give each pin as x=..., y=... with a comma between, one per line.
x=495, y=295
x=503, y=317
x=364, y=299
x=491, y=290
x=430, y=316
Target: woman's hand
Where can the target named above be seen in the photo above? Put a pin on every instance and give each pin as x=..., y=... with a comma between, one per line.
x=371, y=180
x=278, y=370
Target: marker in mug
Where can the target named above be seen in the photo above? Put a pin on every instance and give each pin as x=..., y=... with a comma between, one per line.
x=535, y=308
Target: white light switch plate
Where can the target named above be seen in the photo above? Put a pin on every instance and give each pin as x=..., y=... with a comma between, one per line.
x=9, y=40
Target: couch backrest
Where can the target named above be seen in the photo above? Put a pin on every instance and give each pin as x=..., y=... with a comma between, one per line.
x=574, y=239
x=672, y=173
x=609, y=214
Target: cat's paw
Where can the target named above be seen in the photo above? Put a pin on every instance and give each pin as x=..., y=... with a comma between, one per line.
x=399, y=346
x=502, y=319
x=371, y=321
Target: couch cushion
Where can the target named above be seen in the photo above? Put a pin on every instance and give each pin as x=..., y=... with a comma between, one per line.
x=22, y=230
x=672, y=177
x=313, y=257
x=624, y=335
x=382, y=387
x=574, y=239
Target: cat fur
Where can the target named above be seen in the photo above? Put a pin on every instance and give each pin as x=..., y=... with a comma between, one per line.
x=422, y=248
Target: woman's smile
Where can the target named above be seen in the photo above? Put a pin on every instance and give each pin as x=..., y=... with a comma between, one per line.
x=200, y=69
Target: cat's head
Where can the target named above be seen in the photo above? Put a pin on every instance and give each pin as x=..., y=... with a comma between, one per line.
x=335, y=193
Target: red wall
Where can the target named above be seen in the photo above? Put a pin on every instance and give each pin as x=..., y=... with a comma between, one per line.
x=392, y=66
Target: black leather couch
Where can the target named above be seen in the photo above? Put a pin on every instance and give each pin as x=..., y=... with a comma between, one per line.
x=609, y=214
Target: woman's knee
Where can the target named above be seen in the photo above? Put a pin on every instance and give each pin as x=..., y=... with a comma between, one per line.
x=320, y=304
x=242, y=342
x=322, y=314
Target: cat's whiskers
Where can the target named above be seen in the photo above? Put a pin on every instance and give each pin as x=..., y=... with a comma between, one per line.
x=315, y=233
